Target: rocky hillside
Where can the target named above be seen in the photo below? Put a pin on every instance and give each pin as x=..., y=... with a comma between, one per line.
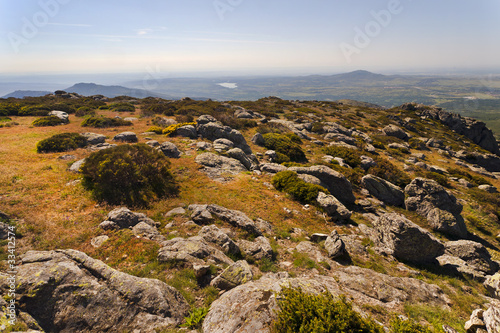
x=397, y=210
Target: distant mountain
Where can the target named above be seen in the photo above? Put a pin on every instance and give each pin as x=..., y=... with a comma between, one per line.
x=27, y=93
x=89, y=89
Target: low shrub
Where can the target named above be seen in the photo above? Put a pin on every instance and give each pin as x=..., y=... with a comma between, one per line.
x=388, y=171
x=47, y=121
x=155, y=129
x=272, y=128
x=195, y=318
x=350, y=156
x=285, y=144
x=289, y=182
x=399, y=325
x=301, y=312
x=474, y=179
x=34, y=110
x=133, y=175
x=85, y=111
x=102, y=122
x=61, y=142
x=122, y=107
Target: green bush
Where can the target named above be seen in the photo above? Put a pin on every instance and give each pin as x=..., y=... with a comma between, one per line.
x=388, y=171
x=399, y=325
x=47, y=121
x=285, y=144
x=474, y=179
x=122, y=107
x=101, y=122
x=61, y=142
x=128, y=174
x=350, y=156
x=289, y=182
x=155, y=129
x=305, y=313
x=36, y=110
x=64, y=107
x=85, y=111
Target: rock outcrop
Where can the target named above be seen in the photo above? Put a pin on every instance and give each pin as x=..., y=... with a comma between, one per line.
x=67, y=291
x=333, y=207
x=384, y=190
x=432, y=201
x=214, y=130
x=405, y=240
x=120, y=218
x=126, y=137
x=219, y=168
x=169, y=149
x=237, y=274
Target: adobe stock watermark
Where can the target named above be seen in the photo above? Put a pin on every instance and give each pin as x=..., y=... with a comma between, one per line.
x=224, y=6
x=364, y=36
x=151, y=80
x=31, y=26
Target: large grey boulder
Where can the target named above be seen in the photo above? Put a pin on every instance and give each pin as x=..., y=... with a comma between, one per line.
x=218, y=167
x=61, y=115
x=237, y=274
x=68, y=291
x=169, y=149
x=406, y=240
x=492, y=284
x=272, y=168
x=432, y=201
x=123, y=217
x=258, y=139
x=193, y=250
x=252, y=307
x=126, y=137
x=258, y=249
x=393, y=130
x=94, y=138
x=205, y=213
x=214, y=130
x=333, y=207
x=336, y=183
x=476, y=257
x=188, y=131
x=222, y=145
x=334, y=245
x=247, y=160
x=384, y=190
x=484, y=321
x=212, y=234
x=205, y=119
x=144, y=230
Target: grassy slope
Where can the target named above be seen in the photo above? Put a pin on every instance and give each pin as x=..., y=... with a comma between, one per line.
x=55, y=213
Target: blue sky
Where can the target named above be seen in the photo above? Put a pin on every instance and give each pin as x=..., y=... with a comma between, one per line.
x=251, y=36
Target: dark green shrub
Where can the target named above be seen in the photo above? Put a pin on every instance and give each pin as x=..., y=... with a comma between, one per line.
x=289, y=182
x=305, y=313
x=272, y=128
x=132, y=175
x=4, y=112
x=61, y=142
x=47, y=121
x=399, y=325
x=284, y=144
x=85, y=111
x=441, y=179
x=36, y=110
x=350, y=156
x=64, y=107
x=122, y=107
x=388, y=171
x=317, y=127
x=101, y=122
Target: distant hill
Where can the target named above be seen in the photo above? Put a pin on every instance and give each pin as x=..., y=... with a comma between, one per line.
x=26, y=93
x=89, y=89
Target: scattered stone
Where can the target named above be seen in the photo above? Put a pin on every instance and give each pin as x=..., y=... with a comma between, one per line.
x=475, y=255
x=61, y=115
x=188, y=131
x=465, y=183
x=333, y=207
x=175, y=211
x=203, y=145
x=126, y=137
x=272, y=168
x=233, y=276
x=488, y=188
x=392, y=130
x=217, y=167
x=98, y=241
x=205, y=119
x=94, y=138
x=258, y=249
x=194, y=250
x=492, y=284
x=367, y=162
x=213, y=131
x=147, y=231
x=383, y=190
x=169, y=149
x=476, y=322
x=264, y=226
x=67, y=157
x=335, y=182
x=334, y=245
x=311, y=250
x=75, y=167
x=406, y=240
x=316, y=238
x=86, y=295
x=101, y=146
x=153, y=143
x=200, y=270
x=258, y=139
x=212, y=234
x=247, y=161
x=124, y=218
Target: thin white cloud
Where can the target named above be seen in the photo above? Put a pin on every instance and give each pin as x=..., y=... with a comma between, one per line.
x=70, y=24
x=142, y=32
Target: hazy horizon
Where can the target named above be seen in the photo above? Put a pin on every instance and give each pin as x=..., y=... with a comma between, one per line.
x=238, y=37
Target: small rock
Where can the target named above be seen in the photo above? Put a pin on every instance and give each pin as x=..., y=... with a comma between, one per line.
x=98, y=241
x=175, y=211
x=126, y=137
x=233, y=276
x=169, y=149
x=334, y=245
x=75, y=167
x=316, y=238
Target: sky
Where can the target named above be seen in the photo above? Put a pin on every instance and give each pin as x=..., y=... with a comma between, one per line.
x=247, y=36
